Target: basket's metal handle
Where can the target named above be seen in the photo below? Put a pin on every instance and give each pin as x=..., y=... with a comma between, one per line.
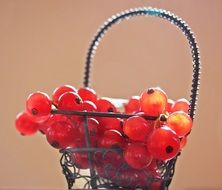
x=158, y=13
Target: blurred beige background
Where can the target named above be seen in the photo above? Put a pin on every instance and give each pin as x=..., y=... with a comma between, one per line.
x=43, y=45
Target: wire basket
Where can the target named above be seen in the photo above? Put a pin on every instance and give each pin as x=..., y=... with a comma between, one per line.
x=105, y=169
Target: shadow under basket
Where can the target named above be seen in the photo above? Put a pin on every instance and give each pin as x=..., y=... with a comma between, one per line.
x=106, y=171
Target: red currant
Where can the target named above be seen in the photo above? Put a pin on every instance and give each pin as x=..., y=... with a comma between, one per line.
x=61, y=90
x=69, y=101
x=111, y=139
x=181, y=105
x=153, y=101
x=62, y=134
x=87, y=93
x=104, y=105
x=38, y=105
x=137, y=156
x=163, y=143
x=43, y=127
x=180, y=122
x=25, y=125
x=107, y=123
x=137, y=128
x=133, y=105
x=88, y=106
x=93, y=127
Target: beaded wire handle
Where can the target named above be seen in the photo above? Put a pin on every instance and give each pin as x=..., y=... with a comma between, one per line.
x=157, y=13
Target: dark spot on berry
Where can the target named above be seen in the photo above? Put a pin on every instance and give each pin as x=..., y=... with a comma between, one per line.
x=34, y=111
x=78, y=101
x=169, y=149
x=22, y=134
x=125, y=136
x=110, y=109
x=41, y=131
x=163, y=117
x=115, y=146
x=150, y=91
x=55, y=144
x=121, y=123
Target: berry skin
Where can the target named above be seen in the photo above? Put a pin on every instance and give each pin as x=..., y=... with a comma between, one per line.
x=61, y=134
x=181, y=105
x=137, y=156
x=183, y=142
x=81, y=160
x=43, y=127
x=38, y=105
x=163, y=144
x=88, y=106
x=61, y=90
x=25, y=125
x=180, y=122
x=153, y=101
x=107, y=123
x=137, y=128
x=69, y=101
x=104, y=105
x=152, y=168
x=133, y=105
x=170, y=103
x=87, y=93
x=111, y=139
x=93, y=130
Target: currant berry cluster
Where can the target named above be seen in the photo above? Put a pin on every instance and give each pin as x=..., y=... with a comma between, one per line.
x=145, y=144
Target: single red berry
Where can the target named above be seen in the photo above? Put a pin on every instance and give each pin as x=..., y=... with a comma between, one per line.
x=43, y=127
x=181, y=105
x=25, y=125
x=88, y=106
x=153, y=101
x=38, y=105
x=93, y=127
x=137, y=128
x=111, y=139
x=107, y=123
x=170, y=103
x=137, y=156
x=87, y=93
x=163, y=143
x=104, y=105
x=133, y=105
x=69, y=101
x=180, y=122
x=61, y=90
x=62, y=134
